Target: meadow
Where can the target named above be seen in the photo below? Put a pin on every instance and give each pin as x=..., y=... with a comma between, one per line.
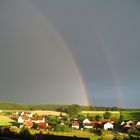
x=131, y=115
x=128, y=115
x=114, y=114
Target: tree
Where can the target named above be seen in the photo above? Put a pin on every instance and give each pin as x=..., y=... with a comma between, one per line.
x=73, y=110
x=53, y=121
x=106, y=115
x=121, y=116
x=97, y=118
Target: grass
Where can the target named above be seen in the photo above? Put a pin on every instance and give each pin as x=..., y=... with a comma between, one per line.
x=114, y=114
x=47, y=112
x=128, y=115
x=39, y=112
x=6, y=118
x=107, y=135
x=4, y=123
x=131, y=115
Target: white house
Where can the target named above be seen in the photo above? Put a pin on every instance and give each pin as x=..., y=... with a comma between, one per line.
x=38, y=120
x=22, y=119
x=122, y=123
x=88, y=125
x=138, y=123
x=108, y=125
x=75, y=125
x=29, y=114
x=86, y=121
x=22, y=113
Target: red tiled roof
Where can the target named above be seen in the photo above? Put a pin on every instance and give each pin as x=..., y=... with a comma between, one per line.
x=27, y=112
x=40, y=118
x=96, y=122
x=37, y=119
x=75, y=124
x=42, y=124
x=29, y=123
x=25, y=118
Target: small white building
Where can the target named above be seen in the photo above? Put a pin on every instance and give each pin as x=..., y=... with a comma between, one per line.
x=38, y=120
x=29, y=114
x=88, y=125
x=75, y=125
x=22, y=113
x=138, y=123
x=86, y=121
x=22, y=119
x=122, y=123
x=108, y=125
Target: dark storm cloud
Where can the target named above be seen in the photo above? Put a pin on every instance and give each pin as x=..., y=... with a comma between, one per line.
x=102, y=35
x=36, y=66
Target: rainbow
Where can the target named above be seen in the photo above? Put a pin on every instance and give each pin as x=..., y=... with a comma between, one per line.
x=66, y=50
x=112, y=67
x=64, y=45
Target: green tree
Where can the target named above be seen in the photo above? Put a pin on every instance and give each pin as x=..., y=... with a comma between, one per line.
x=73, y=110
x=121, y=116
x=97, y=118
x=57, y=128
x=107, y=115
x=53, y=121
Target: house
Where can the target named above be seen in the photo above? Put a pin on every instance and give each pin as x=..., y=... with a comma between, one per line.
x=22, y=113
x=130, y=123
x=43, y=125
x=75, y=125
x=22, y=119
x=15, y=113
x=86, y=121
x=29, y=124
x=88, y=125
x=108, y=126
x=38, y=120
x=29, y=114
x=138, y=123
x=97, y=124
x=122, y=123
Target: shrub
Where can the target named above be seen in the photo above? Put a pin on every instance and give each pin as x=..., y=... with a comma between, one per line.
x=98, y=131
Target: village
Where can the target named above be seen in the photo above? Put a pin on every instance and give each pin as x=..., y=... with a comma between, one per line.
x=51, y=122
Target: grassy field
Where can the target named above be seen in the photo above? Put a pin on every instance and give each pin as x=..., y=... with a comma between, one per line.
x=4, y=123
x=128, y=115
x=39, y=112
x=5, y=118
x=47, y=112
x=131, y=115
x=107, y=135
x=114, y=114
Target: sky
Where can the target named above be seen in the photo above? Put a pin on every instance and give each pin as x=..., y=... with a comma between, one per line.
x=70, y=51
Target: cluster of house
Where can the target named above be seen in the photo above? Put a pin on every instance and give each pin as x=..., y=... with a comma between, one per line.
x=29, y=120
x=108, y=124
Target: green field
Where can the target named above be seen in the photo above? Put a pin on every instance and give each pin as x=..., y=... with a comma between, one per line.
x=128, y=115
x=4, y=123
x=114, y=114
x=131, y=115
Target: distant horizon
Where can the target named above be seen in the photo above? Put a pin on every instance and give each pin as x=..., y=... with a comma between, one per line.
x=65, y=104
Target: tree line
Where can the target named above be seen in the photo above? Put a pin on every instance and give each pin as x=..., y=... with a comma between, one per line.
x=56, y=107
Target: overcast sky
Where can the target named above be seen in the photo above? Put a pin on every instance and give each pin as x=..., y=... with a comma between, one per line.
x=41, y=42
